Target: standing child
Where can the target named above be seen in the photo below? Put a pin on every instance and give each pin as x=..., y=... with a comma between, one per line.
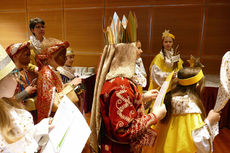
x=186, y=129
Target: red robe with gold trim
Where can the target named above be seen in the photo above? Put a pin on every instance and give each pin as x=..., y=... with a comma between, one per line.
x=47, y=79
x=126, y=125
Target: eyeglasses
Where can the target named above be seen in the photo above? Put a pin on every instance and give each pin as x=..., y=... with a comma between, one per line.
x=39, y=27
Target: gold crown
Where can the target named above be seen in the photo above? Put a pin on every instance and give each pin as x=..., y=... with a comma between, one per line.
x=195, y=62
x=166, y=33
x=124, y=31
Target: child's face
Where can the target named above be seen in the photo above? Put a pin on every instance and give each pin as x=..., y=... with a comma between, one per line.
x=69, y=60
x=139, y=51
x=24, y=56
x=168, y=43
x=39, y=30
x=60, y=56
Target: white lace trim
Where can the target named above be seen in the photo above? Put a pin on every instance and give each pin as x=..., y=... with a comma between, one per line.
x=158, y=76
x=66, y=71
x=36, y=43
x=22, y=125
x=140, y=73
x=184, y=105
x=169, y=58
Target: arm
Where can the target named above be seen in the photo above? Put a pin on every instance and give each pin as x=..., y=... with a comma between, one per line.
x=126, y=121
x=44, y=94
x=203, y=137
x=21, y=95
x=157, y=75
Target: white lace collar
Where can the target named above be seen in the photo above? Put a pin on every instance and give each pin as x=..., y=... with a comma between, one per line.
x=36, y=43
x=184, y=105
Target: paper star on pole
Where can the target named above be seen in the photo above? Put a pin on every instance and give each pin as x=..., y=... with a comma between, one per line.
x=195, y=62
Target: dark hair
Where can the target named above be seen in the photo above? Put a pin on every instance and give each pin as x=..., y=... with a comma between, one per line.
x=35, y=21
x=193, y=91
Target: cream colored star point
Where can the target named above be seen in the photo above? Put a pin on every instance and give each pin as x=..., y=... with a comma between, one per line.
x=165, y=33
x=191, y=61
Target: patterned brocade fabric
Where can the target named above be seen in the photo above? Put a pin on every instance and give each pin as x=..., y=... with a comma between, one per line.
x=124, y=117
x=22, y=123
x=47, y=79
x=224, y=89
x=184, y=105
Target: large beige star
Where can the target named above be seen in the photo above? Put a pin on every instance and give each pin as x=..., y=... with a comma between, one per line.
x=195, y=62
x=165, y=33
x=191, y=61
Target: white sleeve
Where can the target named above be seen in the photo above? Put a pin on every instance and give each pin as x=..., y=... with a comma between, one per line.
x=41, y=131
x=157, y=75
x=203, y=137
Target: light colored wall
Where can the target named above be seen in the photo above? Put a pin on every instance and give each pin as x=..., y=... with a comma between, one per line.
x=201, y=27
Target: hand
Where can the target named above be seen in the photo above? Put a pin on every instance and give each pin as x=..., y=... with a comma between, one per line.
x=160, y=111
x=174, y=75
x=31, y=89
x=33, y=82
x=51, y=126
x=150, y=95
x=76, y=81
x=213, y=117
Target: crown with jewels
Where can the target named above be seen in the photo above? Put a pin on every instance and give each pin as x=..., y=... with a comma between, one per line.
x=121, y=31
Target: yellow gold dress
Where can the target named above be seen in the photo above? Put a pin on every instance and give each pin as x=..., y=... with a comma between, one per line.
x=185, y=131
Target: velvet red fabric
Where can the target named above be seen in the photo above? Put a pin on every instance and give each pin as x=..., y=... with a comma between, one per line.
x=124, y=117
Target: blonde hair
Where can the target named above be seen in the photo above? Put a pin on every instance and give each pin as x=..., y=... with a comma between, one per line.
x=6, y=104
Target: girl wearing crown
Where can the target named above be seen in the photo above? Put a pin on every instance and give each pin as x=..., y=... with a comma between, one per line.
x=164, y=62
x=186, y=127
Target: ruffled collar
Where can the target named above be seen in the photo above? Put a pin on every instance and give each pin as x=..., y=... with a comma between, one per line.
x=36, y=43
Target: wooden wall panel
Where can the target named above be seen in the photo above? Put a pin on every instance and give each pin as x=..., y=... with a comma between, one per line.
x=44, y=5
x=53, y=22
x=217, y=33
x=218, y=2
x=12, y=28
x=83, y=3
x=12, y=5
x=200, y=26
x=87, y=60
x=125, y=4
x=176, y=2
x=184, y=22
x=212, y=65
x=84, y=29
x=216, y=37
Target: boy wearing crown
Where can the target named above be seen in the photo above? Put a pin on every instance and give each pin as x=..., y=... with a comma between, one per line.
x=67, y=71
x=20, y=54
